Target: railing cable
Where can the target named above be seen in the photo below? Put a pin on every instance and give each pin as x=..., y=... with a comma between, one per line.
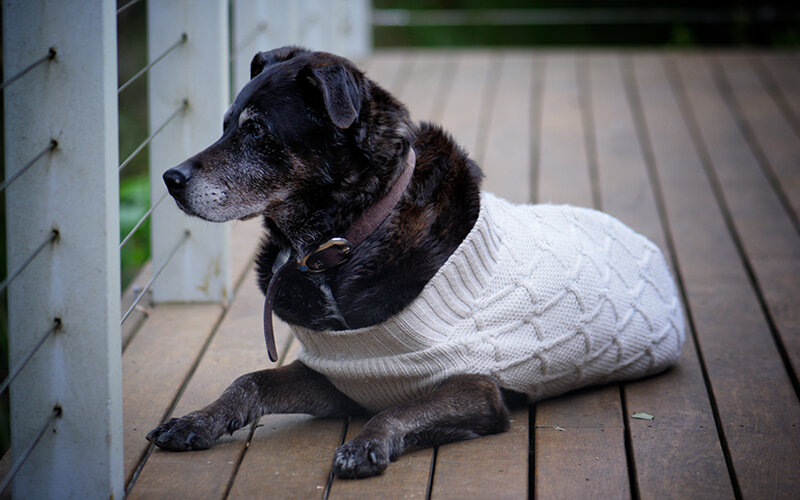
x=15, y=371
x=154, y=134
x=183, y=240
x=143, y=218
x=56, y=413
x=247, y=40
x=144, y=70
x=50, y=147
x=125, y=7
x=51, y=54
x=53, y=237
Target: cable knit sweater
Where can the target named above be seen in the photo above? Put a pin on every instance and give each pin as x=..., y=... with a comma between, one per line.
x=544, y=298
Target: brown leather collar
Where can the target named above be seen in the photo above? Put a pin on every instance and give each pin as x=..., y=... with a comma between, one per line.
x=337, y=250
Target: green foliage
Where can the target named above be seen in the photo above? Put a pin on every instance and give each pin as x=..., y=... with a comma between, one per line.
x=747, y=23
x=134, y=201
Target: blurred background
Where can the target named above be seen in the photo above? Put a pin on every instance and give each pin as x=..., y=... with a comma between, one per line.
x=443, y=23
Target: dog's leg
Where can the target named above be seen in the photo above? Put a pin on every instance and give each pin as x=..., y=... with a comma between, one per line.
x=462, y=407
x=290, y=389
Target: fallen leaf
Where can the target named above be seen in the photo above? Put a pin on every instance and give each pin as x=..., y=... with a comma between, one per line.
x=643, y=416
x=559, y=428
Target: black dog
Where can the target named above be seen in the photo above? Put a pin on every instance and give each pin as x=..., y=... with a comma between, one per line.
x=310, y=143
x=415, y=296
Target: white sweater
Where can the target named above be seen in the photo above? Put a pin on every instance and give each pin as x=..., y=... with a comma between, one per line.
x=544, y=298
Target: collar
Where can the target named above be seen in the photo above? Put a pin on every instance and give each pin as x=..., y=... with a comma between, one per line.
x=336, y=251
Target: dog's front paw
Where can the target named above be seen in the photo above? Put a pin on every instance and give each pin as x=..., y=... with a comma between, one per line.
x=188, y=433
x=360, y=458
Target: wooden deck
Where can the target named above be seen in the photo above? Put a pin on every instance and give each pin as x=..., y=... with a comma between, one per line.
x=698, y=151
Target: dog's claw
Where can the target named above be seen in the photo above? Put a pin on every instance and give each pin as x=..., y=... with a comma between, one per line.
x=191, y=439
x=233, y=426
x=360, y=458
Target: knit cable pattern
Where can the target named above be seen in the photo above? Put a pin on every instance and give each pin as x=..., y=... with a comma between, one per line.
x=544, y=298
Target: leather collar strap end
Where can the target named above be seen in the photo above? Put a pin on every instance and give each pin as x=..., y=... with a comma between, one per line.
x=337, y=250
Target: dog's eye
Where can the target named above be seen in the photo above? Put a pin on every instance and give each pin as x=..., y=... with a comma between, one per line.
x=256, y=130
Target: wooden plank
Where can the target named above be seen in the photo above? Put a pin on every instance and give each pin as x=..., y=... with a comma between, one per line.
x=772, y=137
x=150, y=385
x=780, y=73
x=679, y=452
x=563, y=163
x=766, y=233
x=594, y=417
x=236, y=348
x=507, y=159
x=469, y=99
x=406, y=478
x=493, y=466
x=425, y=82
x=289, y=457
x=757, y=407
x=389, y=69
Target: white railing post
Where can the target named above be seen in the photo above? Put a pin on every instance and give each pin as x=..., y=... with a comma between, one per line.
x=339, y=26
x=74, y=379
x=196, y=74
x=256, y=25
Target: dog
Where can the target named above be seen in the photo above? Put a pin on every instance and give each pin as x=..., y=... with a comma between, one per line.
x=420, y=324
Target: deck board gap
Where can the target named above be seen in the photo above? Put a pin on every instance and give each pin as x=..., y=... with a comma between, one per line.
x=531, y=449
x=331, y=476
x=643, y=134
x=582, y=78
x=629, y=454
x=537, y=91
x=240, y=459
x=768, y=81
x=432, y=475
x=488, y=99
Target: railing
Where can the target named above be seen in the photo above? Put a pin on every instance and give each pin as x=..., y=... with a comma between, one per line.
x=62, y=191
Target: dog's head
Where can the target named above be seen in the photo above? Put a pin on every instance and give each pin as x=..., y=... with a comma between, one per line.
x=304, y=129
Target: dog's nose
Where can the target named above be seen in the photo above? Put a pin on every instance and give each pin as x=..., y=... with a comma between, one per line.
x=176, y=179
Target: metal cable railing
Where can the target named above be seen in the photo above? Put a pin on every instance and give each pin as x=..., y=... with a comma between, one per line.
x=126, y=6
x=246, y=40
x=155, y=61
x=144, y=290
x=18, y=368
x=142, y=219
x=16, y=272
x=50, y=56
x=52, y=145
x=147, y=141
x=54, y=415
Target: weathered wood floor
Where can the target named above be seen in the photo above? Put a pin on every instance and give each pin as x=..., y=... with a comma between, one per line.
x=698, y=151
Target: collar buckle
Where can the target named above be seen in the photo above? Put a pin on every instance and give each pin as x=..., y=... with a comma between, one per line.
x=330, y=254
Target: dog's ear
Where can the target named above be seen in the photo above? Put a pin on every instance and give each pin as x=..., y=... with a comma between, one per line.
x=340, y=92
x=264, y=59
